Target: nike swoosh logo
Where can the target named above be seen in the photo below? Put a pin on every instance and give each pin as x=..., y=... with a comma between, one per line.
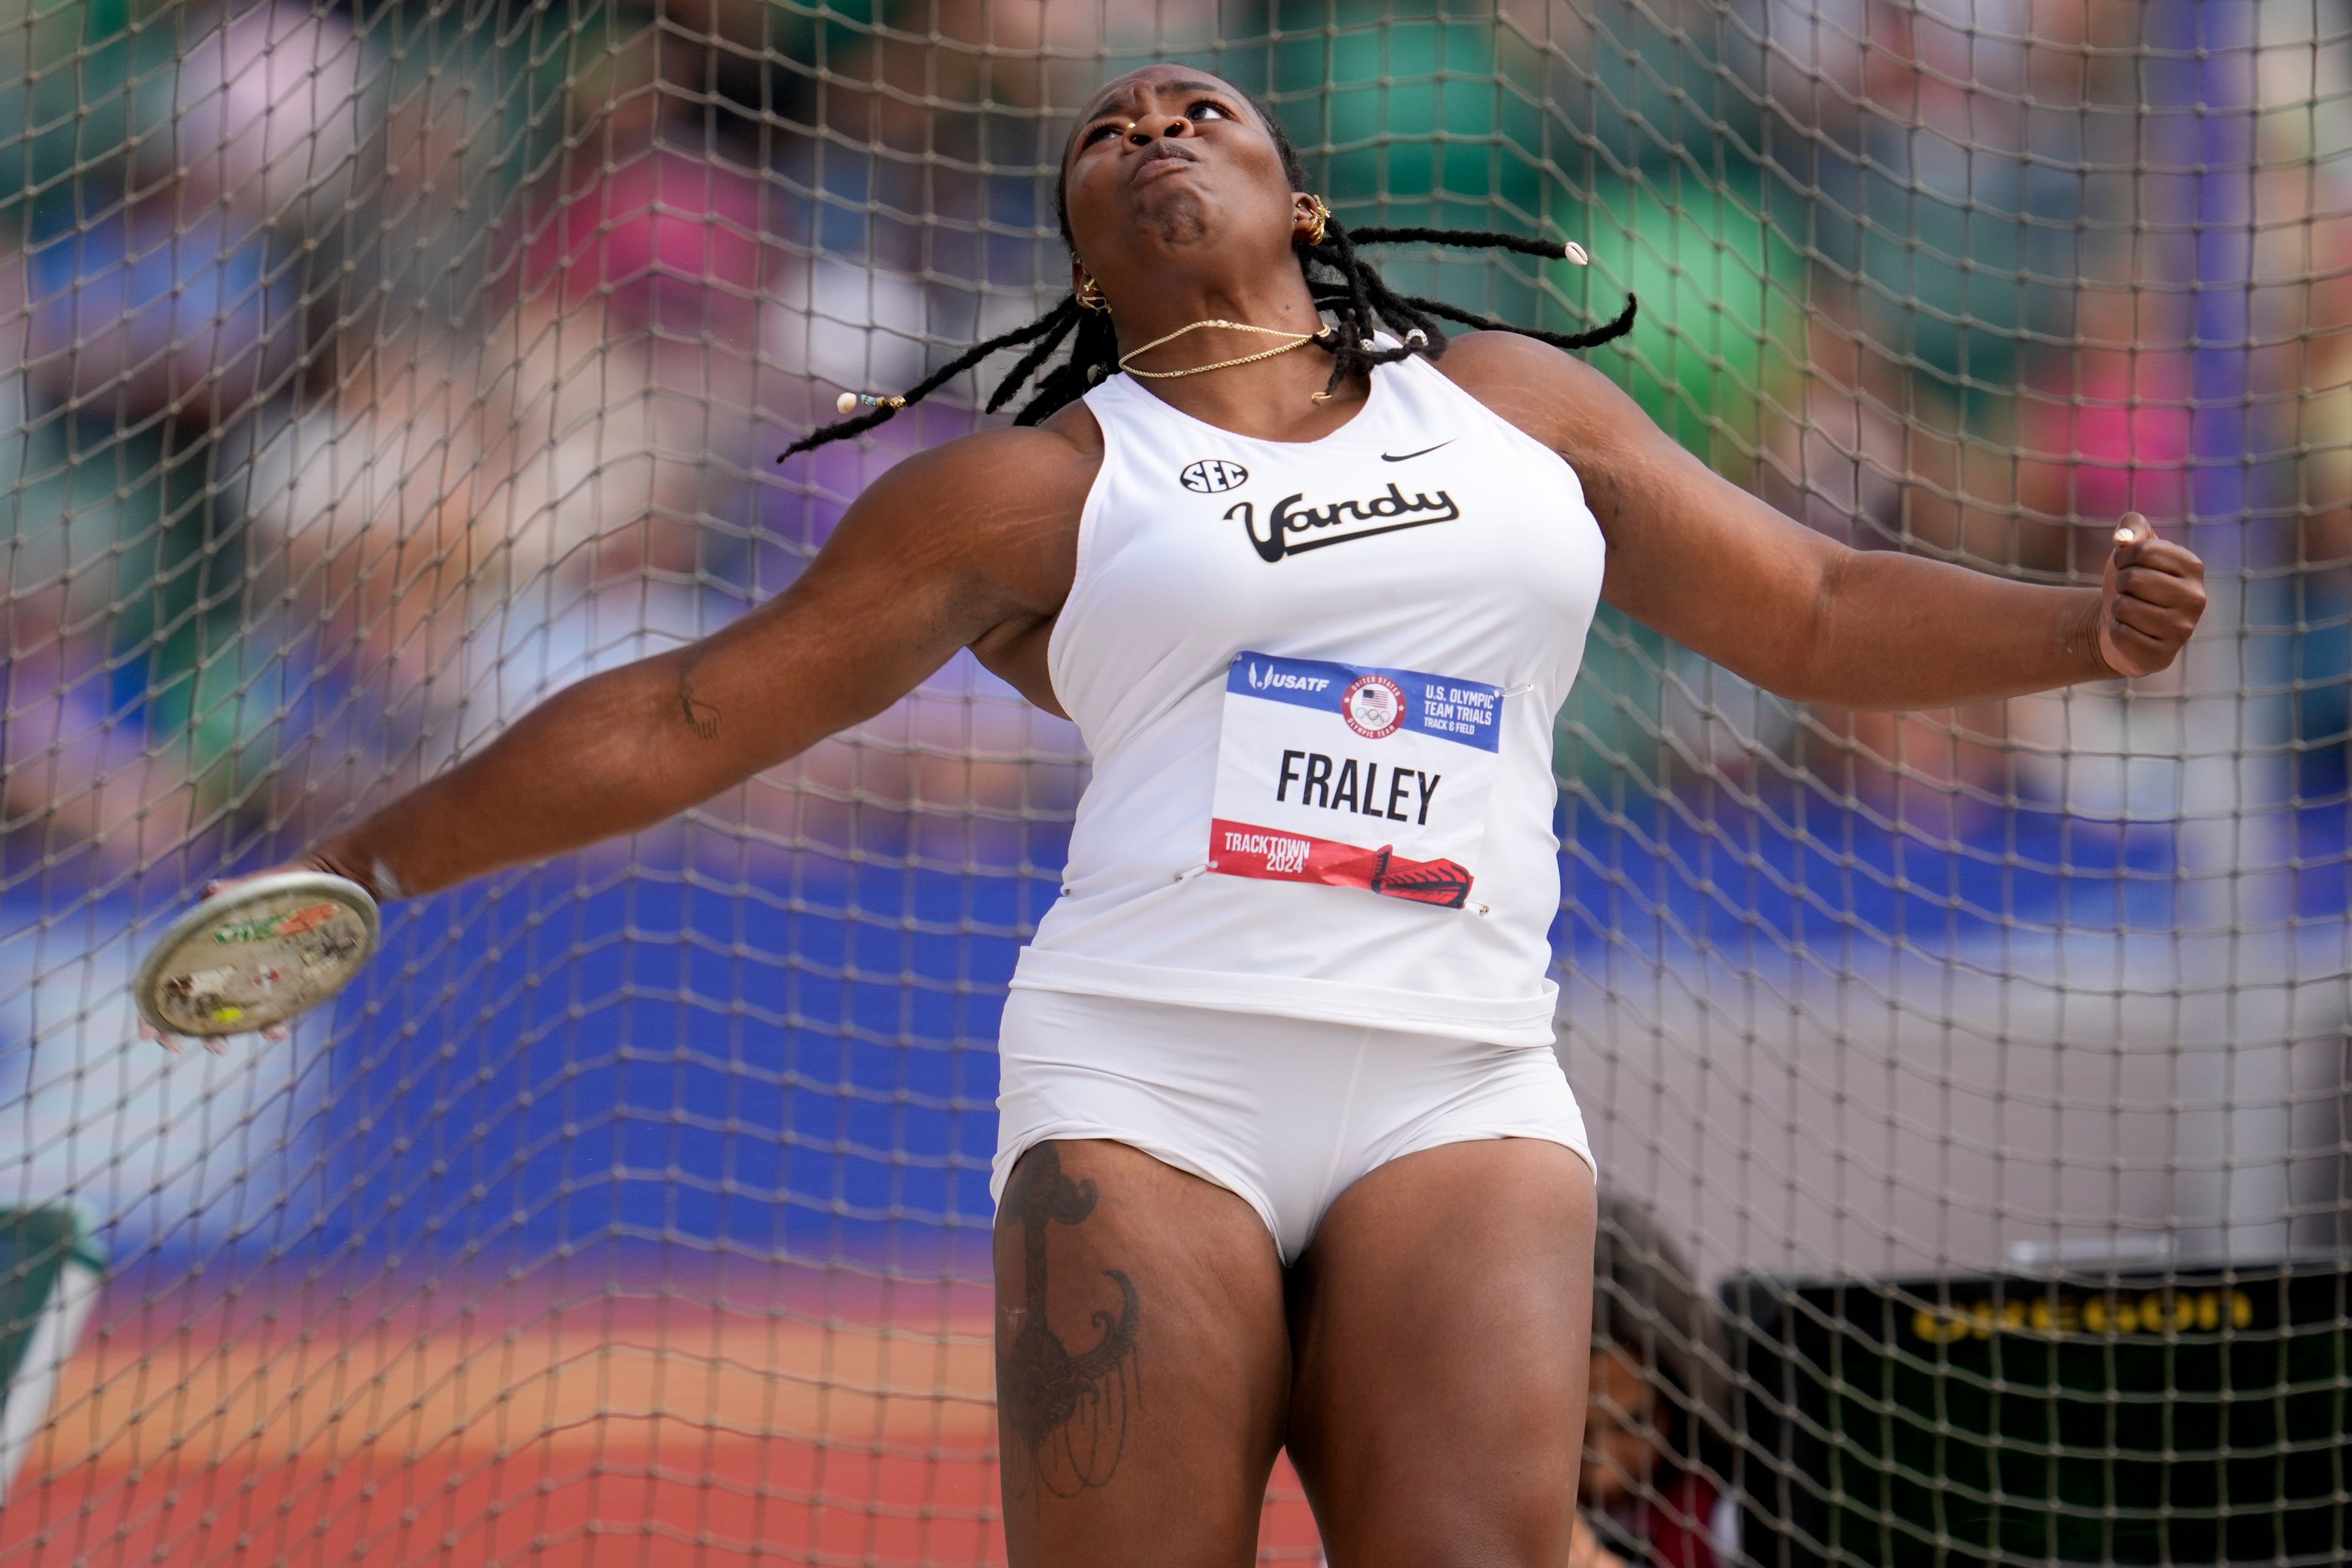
x=1408, y=456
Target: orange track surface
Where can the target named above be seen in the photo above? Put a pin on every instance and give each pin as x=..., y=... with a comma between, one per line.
x=716, y=1505
x=705, y=1436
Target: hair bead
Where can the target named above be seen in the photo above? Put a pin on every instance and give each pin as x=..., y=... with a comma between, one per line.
x=887, y=407
x=851, y=402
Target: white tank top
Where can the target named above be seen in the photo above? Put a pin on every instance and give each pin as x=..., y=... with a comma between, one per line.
x=1318, y=681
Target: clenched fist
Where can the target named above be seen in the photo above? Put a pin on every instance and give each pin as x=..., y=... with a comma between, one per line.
x=2149, y=600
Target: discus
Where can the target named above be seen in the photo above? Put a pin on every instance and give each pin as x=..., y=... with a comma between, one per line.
x=255, y=955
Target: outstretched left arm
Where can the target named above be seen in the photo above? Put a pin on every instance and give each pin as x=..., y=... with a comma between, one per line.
x=1723, y=574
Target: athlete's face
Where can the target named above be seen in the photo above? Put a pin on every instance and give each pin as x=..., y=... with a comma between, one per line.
x=1168, y=167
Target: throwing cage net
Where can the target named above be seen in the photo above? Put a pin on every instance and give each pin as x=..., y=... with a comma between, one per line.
x=1970, y=1087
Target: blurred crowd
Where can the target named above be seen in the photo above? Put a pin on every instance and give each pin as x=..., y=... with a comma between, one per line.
x=370, y=369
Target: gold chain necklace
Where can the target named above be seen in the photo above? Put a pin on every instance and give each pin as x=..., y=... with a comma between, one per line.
x=1297, y=339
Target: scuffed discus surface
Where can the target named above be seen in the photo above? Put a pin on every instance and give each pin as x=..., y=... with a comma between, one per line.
x=256, y=954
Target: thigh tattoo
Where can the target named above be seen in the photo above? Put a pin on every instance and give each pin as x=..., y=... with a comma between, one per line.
x=1068, y=1409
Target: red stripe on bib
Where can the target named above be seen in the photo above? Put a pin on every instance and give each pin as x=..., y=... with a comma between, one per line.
x=1241, y=849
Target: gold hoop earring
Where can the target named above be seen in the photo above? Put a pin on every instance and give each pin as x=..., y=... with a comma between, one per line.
x=1322, y=221
x=1089, y=294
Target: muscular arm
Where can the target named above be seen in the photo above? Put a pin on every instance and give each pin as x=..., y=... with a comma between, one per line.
x=1720, y=572
x=970, y=545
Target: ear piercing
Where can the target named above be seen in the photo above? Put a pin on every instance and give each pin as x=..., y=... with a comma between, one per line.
x=851, y=402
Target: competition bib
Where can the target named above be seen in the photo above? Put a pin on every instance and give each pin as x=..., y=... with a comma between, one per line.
x=1354, y=777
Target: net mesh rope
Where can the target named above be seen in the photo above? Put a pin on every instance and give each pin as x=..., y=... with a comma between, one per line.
x=369, y=371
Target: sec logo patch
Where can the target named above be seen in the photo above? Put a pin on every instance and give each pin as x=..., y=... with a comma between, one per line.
x=1211, y=475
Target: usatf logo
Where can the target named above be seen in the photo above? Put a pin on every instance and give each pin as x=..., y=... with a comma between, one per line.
x=1263, y=679
x=1211, y=475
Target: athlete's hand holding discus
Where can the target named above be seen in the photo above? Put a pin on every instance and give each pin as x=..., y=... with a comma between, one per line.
x=1370, y=523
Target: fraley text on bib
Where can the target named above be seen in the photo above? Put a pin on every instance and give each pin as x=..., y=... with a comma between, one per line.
x=1354, y=777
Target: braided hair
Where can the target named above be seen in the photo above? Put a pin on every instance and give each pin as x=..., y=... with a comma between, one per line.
x=1341, y=282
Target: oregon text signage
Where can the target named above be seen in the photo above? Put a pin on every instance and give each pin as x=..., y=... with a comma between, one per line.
x=2061, y=1314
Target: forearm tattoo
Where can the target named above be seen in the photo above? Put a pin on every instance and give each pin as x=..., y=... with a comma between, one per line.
x=1068, y=1411
x=701, y=716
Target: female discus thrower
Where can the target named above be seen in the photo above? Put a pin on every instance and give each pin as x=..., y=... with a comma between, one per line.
x=1285, y=1157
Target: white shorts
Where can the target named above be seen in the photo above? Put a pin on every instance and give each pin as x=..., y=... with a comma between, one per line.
x=1285, y=1113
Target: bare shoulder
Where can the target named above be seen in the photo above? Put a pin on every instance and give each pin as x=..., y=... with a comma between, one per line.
x=1013, y=477
x=1003, y=502
x=1554, y=396
x=1068, y=445
x=1617, y=451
